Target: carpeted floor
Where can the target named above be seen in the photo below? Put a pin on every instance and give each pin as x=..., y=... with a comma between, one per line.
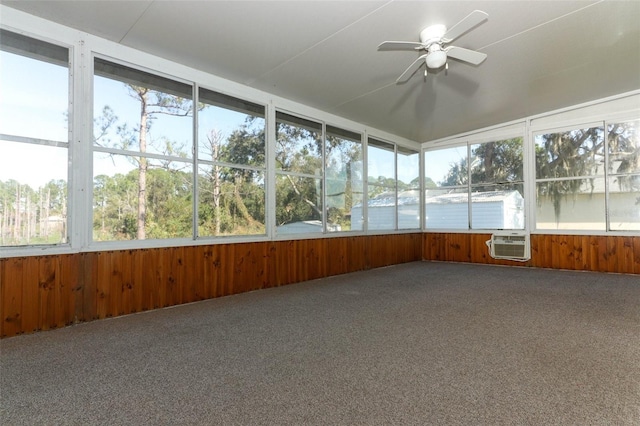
x=419, y=343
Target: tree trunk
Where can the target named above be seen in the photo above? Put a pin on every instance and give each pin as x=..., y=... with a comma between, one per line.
x=16, y=224
x=242, y=208
x=216, y=190
x=142, y=165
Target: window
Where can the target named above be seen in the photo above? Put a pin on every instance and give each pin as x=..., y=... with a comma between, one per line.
x=408, y=188
x=497, y=185
x=34, y=141
x=623, y=178
x=298, y=158
x=476, y=186
x=142, y=165
x=589, y=180
x=343, y=178
x=393, y=187
x=446, y=189
x=570, y=181
x=231, y=166
x=381, y=185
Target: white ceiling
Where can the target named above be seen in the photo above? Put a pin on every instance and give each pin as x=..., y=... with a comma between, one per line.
x=542, y=55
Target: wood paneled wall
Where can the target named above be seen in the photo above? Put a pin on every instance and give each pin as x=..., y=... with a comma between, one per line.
x=577, y=252
x=45, y=292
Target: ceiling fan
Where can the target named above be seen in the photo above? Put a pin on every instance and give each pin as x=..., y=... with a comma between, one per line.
x=433, y=40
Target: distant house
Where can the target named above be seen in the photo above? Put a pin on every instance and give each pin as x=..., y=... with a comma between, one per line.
x=490, y=210
x=381, y=211
x=305, y=227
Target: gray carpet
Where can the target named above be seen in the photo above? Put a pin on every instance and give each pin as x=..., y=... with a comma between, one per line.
x=419, y=343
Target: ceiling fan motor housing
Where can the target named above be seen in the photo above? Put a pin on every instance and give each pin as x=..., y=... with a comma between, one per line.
x=432, y=34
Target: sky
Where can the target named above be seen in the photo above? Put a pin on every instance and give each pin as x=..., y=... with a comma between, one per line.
x=24, y=111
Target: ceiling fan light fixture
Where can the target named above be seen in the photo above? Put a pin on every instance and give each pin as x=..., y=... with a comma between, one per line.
x=436, y=59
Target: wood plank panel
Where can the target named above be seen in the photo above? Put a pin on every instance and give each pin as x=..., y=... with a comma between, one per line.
x=196, y=273
x=479, y=251
x=437, y=246
x=2, y=306
x=244, y=273
x=627, y=254
x=337, y=254
x=30, y=294
x=152, y=265
x=103, y=284
x=88, y=309
x=636, y=255
x=12, y=280
x=379, y=251
x=121, y=286
x=285, y=257
x=577, y=250
x=225, y=269
x=69, y=291
x=357, y=253
x=536, y=243
x=594, y=254
x=174, y=275
x=210, y=277
x=138, y=280
x=48, y=286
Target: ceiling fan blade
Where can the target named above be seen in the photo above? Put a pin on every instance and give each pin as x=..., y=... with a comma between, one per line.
x=466, y=55
x=411, y=69
x=471, y=20
x=399, y=45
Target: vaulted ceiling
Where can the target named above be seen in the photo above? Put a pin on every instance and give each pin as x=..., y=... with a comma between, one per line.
x=542, y=55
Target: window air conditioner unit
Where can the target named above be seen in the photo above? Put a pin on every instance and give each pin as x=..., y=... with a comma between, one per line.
x=510, y=245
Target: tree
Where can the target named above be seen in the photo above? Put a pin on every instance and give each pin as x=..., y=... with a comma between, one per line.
x=299, y=151
x=32, y=216
x=152, y=103
x=492, y=162
x=231, y=199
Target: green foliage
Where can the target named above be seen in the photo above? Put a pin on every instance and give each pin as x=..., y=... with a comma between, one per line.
x=169, y=205
x=575, y=153
x=492, y=162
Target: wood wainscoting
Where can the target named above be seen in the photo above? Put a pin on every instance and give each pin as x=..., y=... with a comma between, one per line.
x=46, y=292
x=576, y=252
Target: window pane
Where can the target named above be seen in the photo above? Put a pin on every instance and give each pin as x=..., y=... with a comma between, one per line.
x=446, y=167
x=381, y=187
x=33, y=194
x=298, y=204
x=571, y=153
x=298, y=145
x=344, y=182
x=495, y=162
x=447, y=209
x=34, y=88
x=139, y=197
x=230, y=130
x=138, y=111
x=231, y=201
x=497, y=207
x=408, y=189
x=624, y=203
x=168, y=205
x=571, y=204
x=34, y=99
x=624, y=147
